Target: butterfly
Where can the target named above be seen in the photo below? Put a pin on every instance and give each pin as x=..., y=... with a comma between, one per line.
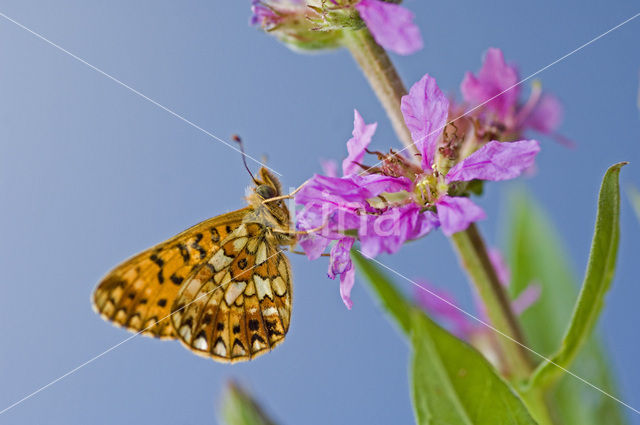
x=222, y=287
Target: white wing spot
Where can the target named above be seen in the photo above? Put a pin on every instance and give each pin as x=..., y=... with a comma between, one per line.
x=261, y=257
x=269, y=311
x=279, y=286
x=262, y=287
x=201, y=343
x=219, y=261
x=234, y=290
x=185, y=332
x=239, y=243
x=220, y=349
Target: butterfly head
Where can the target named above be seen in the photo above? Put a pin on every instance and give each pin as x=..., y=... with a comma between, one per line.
x=271, y=214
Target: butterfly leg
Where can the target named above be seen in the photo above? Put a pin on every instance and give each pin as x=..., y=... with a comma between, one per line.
x=289, y=196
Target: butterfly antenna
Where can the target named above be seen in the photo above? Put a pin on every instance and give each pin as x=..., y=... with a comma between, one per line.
x=238, y=140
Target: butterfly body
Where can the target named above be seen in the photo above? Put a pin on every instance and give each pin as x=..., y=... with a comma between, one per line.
x=222, y=287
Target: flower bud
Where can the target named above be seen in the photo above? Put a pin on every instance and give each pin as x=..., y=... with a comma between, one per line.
x=305, y=25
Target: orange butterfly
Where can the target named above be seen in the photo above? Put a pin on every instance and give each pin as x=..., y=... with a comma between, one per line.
x=223, y=287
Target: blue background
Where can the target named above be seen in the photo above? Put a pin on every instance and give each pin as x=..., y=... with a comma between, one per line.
x=91, y=173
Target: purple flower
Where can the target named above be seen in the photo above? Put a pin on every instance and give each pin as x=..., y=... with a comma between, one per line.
x=391, y=26
x=496, y=161
x=357, y=145
x=384, y=206
x=457, y=213
x=495, y=88
x=425, y=112
x=495, y=83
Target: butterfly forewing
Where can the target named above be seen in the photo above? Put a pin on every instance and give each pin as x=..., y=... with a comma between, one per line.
x=238, y=304
x=139, y=293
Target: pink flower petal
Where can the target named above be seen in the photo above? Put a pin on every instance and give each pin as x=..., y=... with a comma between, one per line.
x=387, y=232
x=502, y=270
x=391, y=26
x=340, y=264
x=425, y=111
x=357, y=145
x=526, y=298
x=496, y=161
x=440, y=304
x=329, y=167
x=347, y=280
x=340, y=260
x=492, y=80
x=546, y=116
x=457, y=213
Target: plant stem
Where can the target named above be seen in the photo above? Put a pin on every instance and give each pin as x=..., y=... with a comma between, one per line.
x=382, y=77
x=474, y=258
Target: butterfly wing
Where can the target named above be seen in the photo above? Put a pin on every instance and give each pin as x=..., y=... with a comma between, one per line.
x=139, y=293
x=238, y=304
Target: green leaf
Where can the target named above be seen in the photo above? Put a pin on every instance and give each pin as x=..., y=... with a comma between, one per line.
x=239, y=408
x=454, y=384
x=389, y=297
x=536, y=254
x=600, y=271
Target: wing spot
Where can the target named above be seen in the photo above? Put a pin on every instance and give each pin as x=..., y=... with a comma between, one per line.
x=236, y=329
x=220, y=326
x=201, y=341
x=254, y=325
x=215, y=236
x=184, y=252
x=239, y=243
x=159, y=261
x=238, y=348
x=206, y=319
x=219, y=348
x=263, y=288
x=176, y=279
x=261, y=256
x=234, y=290
x=279, y=286
x=219, y=261
x=162, y=302
x=257, y=342
x=242, y=264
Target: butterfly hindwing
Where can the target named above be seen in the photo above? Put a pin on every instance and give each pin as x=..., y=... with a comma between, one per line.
x=237, y=305
x=138, y=294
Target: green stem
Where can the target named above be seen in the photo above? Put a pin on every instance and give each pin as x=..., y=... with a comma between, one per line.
x=474, y=258
x=382, y=77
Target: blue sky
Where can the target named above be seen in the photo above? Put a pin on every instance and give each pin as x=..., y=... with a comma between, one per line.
x=90, y=174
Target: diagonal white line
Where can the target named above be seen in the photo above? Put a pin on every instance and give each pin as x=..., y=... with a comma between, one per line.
x=91, y=360
x=131, y=89
x=544, y=68
x=488, y=325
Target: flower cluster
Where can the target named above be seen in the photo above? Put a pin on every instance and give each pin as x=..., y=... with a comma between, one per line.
x=404, y=196
x=319, y=24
